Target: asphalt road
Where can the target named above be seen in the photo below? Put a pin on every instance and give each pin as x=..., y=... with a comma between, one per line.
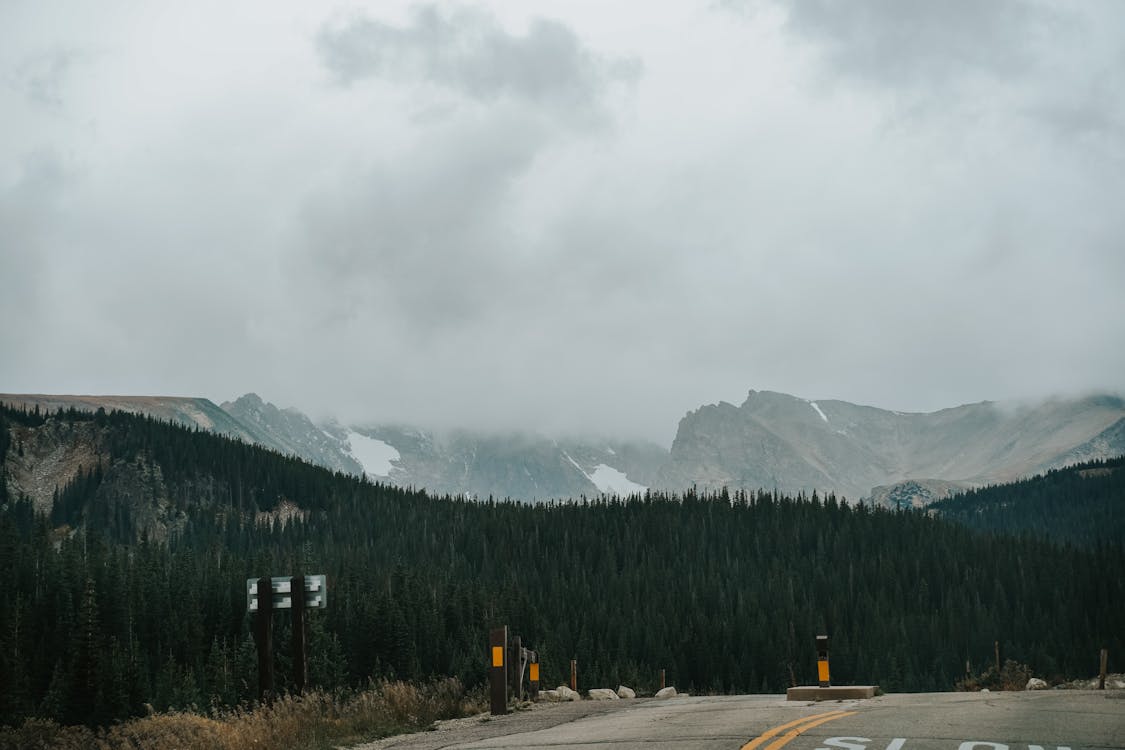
x=1043, y=720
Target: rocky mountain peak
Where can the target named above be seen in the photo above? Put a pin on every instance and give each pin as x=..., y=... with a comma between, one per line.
x=777, y=440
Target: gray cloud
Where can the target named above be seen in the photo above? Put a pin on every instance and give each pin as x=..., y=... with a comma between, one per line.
x=423, y=237
x=915, y=43
x=1088, y=113
x=30, y=211
x=432, y=237
x=467, y=50
x=1059, y=65
x=42, y=77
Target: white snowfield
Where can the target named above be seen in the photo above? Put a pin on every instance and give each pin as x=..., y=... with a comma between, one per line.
x=608, y=479
x=374, y=455
x=613, y=482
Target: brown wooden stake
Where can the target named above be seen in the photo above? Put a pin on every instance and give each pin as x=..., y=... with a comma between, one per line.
x=263, y=634
x=300, y=635
x=573, y=674
x=1102, y=671
x=996, y=646
x=515, y=666
x=662, y=679
x=498, y=670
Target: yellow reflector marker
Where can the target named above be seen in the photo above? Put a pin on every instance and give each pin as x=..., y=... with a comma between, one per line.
x=497, y=656
x=534, y=672
x=822, y=670
x=808, y=721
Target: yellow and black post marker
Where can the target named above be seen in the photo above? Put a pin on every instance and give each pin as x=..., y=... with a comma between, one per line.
x=498, y=670
x=533, y=676
x=822, y=661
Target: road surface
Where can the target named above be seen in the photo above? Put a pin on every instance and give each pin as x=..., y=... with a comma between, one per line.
x=1041, y=720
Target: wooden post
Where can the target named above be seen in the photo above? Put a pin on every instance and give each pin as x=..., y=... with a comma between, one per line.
x=533, y=676
x=300, y=635
x=515, y=666
x=996, y=646
x=263, y=635
x=498, y=670
x=1102, y=671
x=662, y=679
x=574, y=674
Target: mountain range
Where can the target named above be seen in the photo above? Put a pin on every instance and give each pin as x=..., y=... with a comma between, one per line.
x=772, y=440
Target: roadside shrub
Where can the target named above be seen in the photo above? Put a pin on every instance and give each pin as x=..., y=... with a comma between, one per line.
x=1012, y=676
x=315, y=721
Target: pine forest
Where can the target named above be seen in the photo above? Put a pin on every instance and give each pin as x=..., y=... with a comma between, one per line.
x=130, y=592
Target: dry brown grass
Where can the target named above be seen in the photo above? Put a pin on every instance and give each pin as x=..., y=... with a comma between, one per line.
x=314, y=721
x=1013, y=676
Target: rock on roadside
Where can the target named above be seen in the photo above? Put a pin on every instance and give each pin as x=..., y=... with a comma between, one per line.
x=566, y=694
x=602, y=694
x=668, y=692
x=626, y=692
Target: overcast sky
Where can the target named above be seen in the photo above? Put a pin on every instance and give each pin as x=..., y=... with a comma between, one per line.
x=562, y=216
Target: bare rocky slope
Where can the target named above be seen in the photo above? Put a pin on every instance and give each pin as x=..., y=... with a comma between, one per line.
x=291, y=432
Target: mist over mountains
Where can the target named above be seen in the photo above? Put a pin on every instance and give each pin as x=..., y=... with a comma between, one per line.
x=772, y=441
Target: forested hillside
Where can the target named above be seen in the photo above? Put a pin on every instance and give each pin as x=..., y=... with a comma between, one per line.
x=101, y=613
x=1083, y=504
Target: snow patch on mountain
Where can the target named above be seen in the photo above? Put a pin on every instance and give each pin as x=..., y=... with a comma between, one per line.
x=816, y=406
x=613, y=482
x=375, y=456
x=608, y=479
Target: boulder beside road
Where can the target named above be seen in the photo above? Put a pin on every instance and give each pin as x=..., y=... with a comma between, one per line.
x=602, y=694
x=566, y=694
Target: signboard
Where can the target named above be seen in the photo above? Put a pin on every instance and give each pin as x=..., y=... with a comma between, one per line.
x=316, y=592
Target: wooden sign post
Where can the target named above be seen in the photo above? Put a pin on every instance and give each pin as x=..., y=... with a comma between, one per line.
x=264, y=596
x=263, y=636
x=300, y=638
x=498, y=670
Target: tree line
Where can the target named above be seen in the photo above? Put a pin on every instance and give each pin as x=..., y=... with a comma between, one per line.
x=1082, y=504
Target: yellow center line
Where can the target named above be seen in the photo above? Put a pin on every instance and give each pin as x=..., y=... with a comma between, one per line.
x=804, y=728
x=754, y=743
